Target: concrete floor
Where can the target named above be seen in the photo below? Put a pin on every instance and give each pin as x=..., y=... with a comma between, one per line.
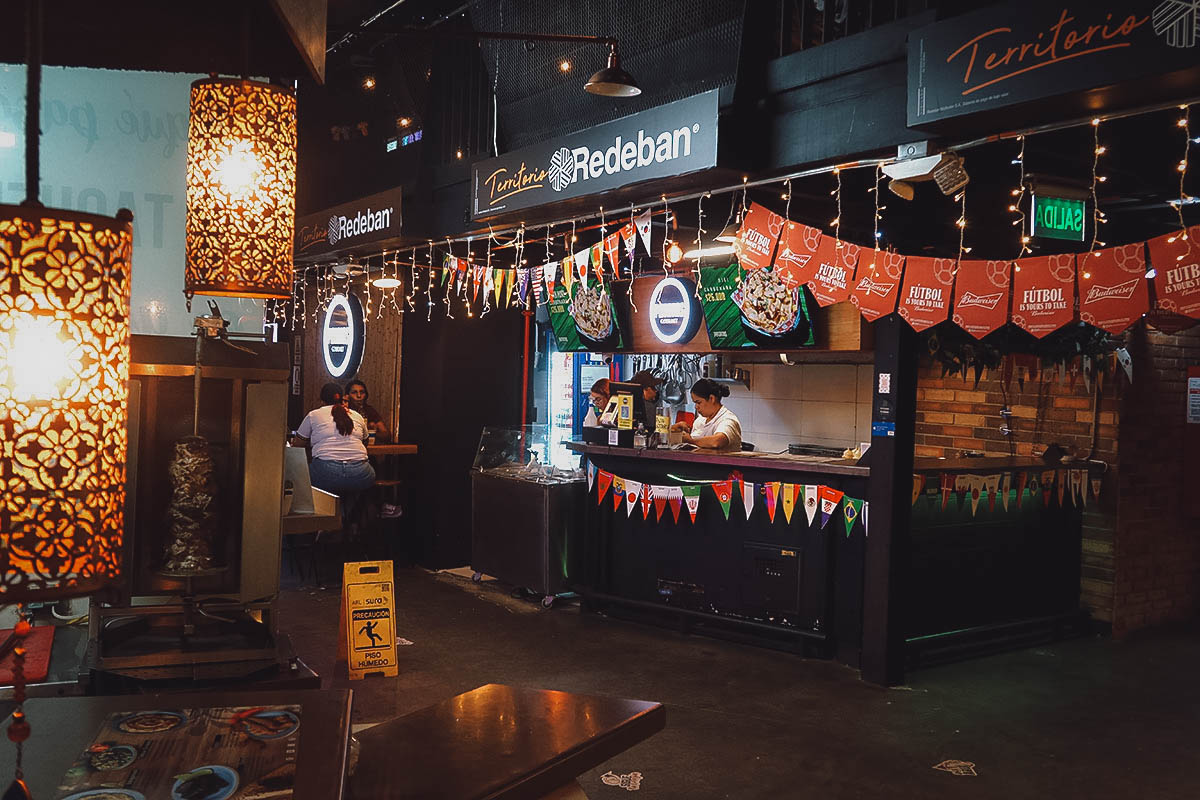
x=1084, y=718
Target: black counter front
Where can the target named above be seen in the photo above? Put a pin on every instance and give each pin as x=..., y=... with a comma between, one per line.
x=791, y=583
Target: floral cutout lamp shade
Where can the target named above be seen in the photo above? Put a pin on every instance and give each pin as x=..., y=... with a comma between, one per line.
x=241, y=189
x=64, y=370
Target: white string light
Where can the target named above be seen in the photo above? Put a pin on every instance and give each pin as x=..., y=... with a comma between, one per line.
x=429, y=287
x=412, y=282
x=1097, y=216
x=1017, y=205
x=962, y=228
x=837, y=221
x=1185, y=123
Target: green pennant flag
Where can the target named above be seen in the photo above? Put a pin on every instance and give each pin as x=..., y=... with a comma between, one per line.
x=851, y=508
x=691, y=497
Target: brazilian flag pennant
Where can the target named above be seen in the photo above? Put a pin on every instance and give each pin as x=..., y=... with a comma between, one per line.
x=851, y=508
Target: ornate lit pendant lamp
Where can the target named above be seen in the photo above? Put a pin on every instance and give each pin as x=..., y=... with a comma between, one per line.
x=241, y=189
x=64, y=370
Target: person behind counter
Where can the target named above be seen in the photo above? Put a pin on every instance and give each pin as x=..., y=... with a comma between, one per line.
x=716, y=427
x=336, y=433
x=599, y=394
x=649, y=383
x=356, y=393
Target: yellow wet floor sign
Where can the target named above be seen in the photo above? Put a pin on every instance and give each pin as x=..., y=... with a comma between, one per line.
x=367, y=636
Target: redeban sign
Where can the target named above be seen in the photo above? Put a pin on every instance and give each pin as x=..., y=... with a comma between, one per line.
x=659, y=142
x=349, y=226
x=343, y=336
x=674, y=316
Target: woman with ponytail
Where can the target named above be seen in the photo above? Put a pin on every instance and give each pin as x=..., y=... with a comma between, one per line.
x=336, y=433
x=716, y=427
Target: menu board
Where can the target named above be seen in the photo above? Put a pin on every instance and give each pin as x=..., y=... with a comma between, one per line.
x=584, y=319
x=242, y=753
x=754, y=308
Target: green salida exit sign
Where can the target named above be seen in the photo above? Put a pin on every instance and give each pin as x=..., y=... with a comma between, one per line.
x=1058, y=217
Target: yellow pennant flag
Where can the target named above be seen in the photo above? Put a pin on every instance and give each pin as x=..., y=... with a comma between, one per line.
x=568, y=273
x=789, y=500
x=497, y=285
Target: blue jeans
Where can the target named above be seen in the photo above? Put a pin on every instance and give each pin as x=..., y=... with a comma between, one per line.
x=339, y=477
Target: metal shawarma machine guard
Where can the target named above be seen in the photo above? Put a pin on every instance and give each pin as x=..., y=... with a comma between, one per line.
x=204, y=495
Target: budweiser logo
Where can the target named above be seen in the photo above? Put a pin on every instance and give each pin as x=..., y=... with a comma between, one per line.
x=869, y=287
x=1122, y=291
x=972, y=300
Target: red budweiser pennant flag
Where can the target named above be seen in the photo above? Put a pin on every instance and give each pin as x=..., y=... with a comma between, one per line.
x=878, y=284
x=1044, y=293
x=1112, y=287
x=796, y=262
x=758, y=237
x=724, y=492
x=834, y=275
x=605, y=480
x=1176, y=260
x=981, y=296
x=925, y=298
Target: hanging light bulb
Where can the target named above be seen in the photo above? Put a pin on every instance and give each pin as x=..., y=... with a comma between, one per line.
x=673, y=253
x=241, y=189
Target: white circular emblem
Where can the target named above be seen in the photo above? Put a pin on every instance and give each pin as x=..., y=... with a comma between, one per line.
x=561, y=172
x=670, y=310
x=338, y=336
x=335, y=232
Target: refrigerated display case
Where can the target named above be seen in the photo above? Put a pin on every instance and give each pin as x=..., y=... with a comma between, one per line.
x=571, y=376
x=523, y=508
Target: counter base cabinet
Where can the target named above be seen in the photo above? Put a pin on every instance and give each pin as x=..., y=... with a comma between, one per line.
x=519, y=530
x=773, y=582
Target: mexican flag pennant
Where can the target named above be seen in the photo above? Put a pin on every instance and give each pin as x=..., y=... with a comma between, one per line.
x=771, y=495
x=642, y=221
x=992, y=484
x=629, y=236
x=947, y=488
x=618, y=491
x=568, y=273
x=591, y=475
x=851, y=509
x=1096, y=488
x=632, y=490
x=918, y=485
x=605, y=480
x=691, y=496
x=1077, y=484
x=830, y=499
x=1005, y=488
x=748, y=490
x=675, y=499
x=660, y=502
x=612, y=249
x=647, y=499
x=810, y=502
x=1022, y=479
x=1060, y=478
x=975, y=485
x=789, y=500
x=724, y=493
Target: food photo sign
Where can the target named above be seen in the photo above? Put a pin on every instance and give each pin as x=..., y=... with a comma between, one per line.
x=243, y=753
x=753, y=308
x=584, y=318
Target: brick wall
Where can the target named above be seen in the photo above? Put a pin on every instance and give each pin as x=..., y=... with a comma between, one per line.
x=1157, y=554
x=954, y=415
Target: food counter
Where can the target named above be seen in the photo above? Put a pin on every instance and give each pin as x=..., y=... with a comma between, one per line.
x=791, y=584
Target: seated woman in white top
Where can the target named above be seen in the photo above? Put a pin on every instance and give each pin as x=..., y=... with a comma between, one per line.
x=337, y=434
x=716, y=427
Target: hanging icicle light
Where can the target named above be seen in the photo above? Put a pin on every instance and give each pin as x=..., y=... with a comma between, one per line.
x=241, y=189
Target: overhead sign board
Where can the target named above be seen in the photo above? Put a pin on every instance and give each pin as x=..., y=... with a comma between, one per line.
x=1015, y=53
x=349, y=226
x=660, y=142
x=1057, y=218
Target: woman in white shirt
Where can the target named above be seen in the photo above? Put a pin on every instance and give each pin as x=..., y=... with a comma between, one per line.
x=337, y=433
x=715, y=427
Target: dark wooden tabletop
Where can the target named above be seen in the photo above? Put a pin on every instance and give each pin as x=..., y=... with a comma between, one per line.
x=63, y=727
x=496, y=742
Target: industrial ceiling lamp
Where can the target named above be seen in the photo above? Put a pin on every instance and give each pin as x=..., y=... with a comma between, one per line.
x=241, y=189
x=64, y=369
x=612, y=81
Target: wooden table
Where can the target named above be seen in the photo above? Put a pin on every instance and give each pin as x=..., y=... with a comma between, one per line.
x=391, y=449
x=498, y=742
x=63, y=727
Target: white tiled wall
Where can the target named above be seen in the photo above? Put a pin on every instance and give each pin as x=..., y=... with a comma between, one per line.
x=827, y=404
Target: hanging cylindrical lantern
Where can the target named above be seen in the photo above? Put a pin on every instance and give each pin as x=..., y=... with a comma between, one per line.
x=241, y=189
x=64, y=372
